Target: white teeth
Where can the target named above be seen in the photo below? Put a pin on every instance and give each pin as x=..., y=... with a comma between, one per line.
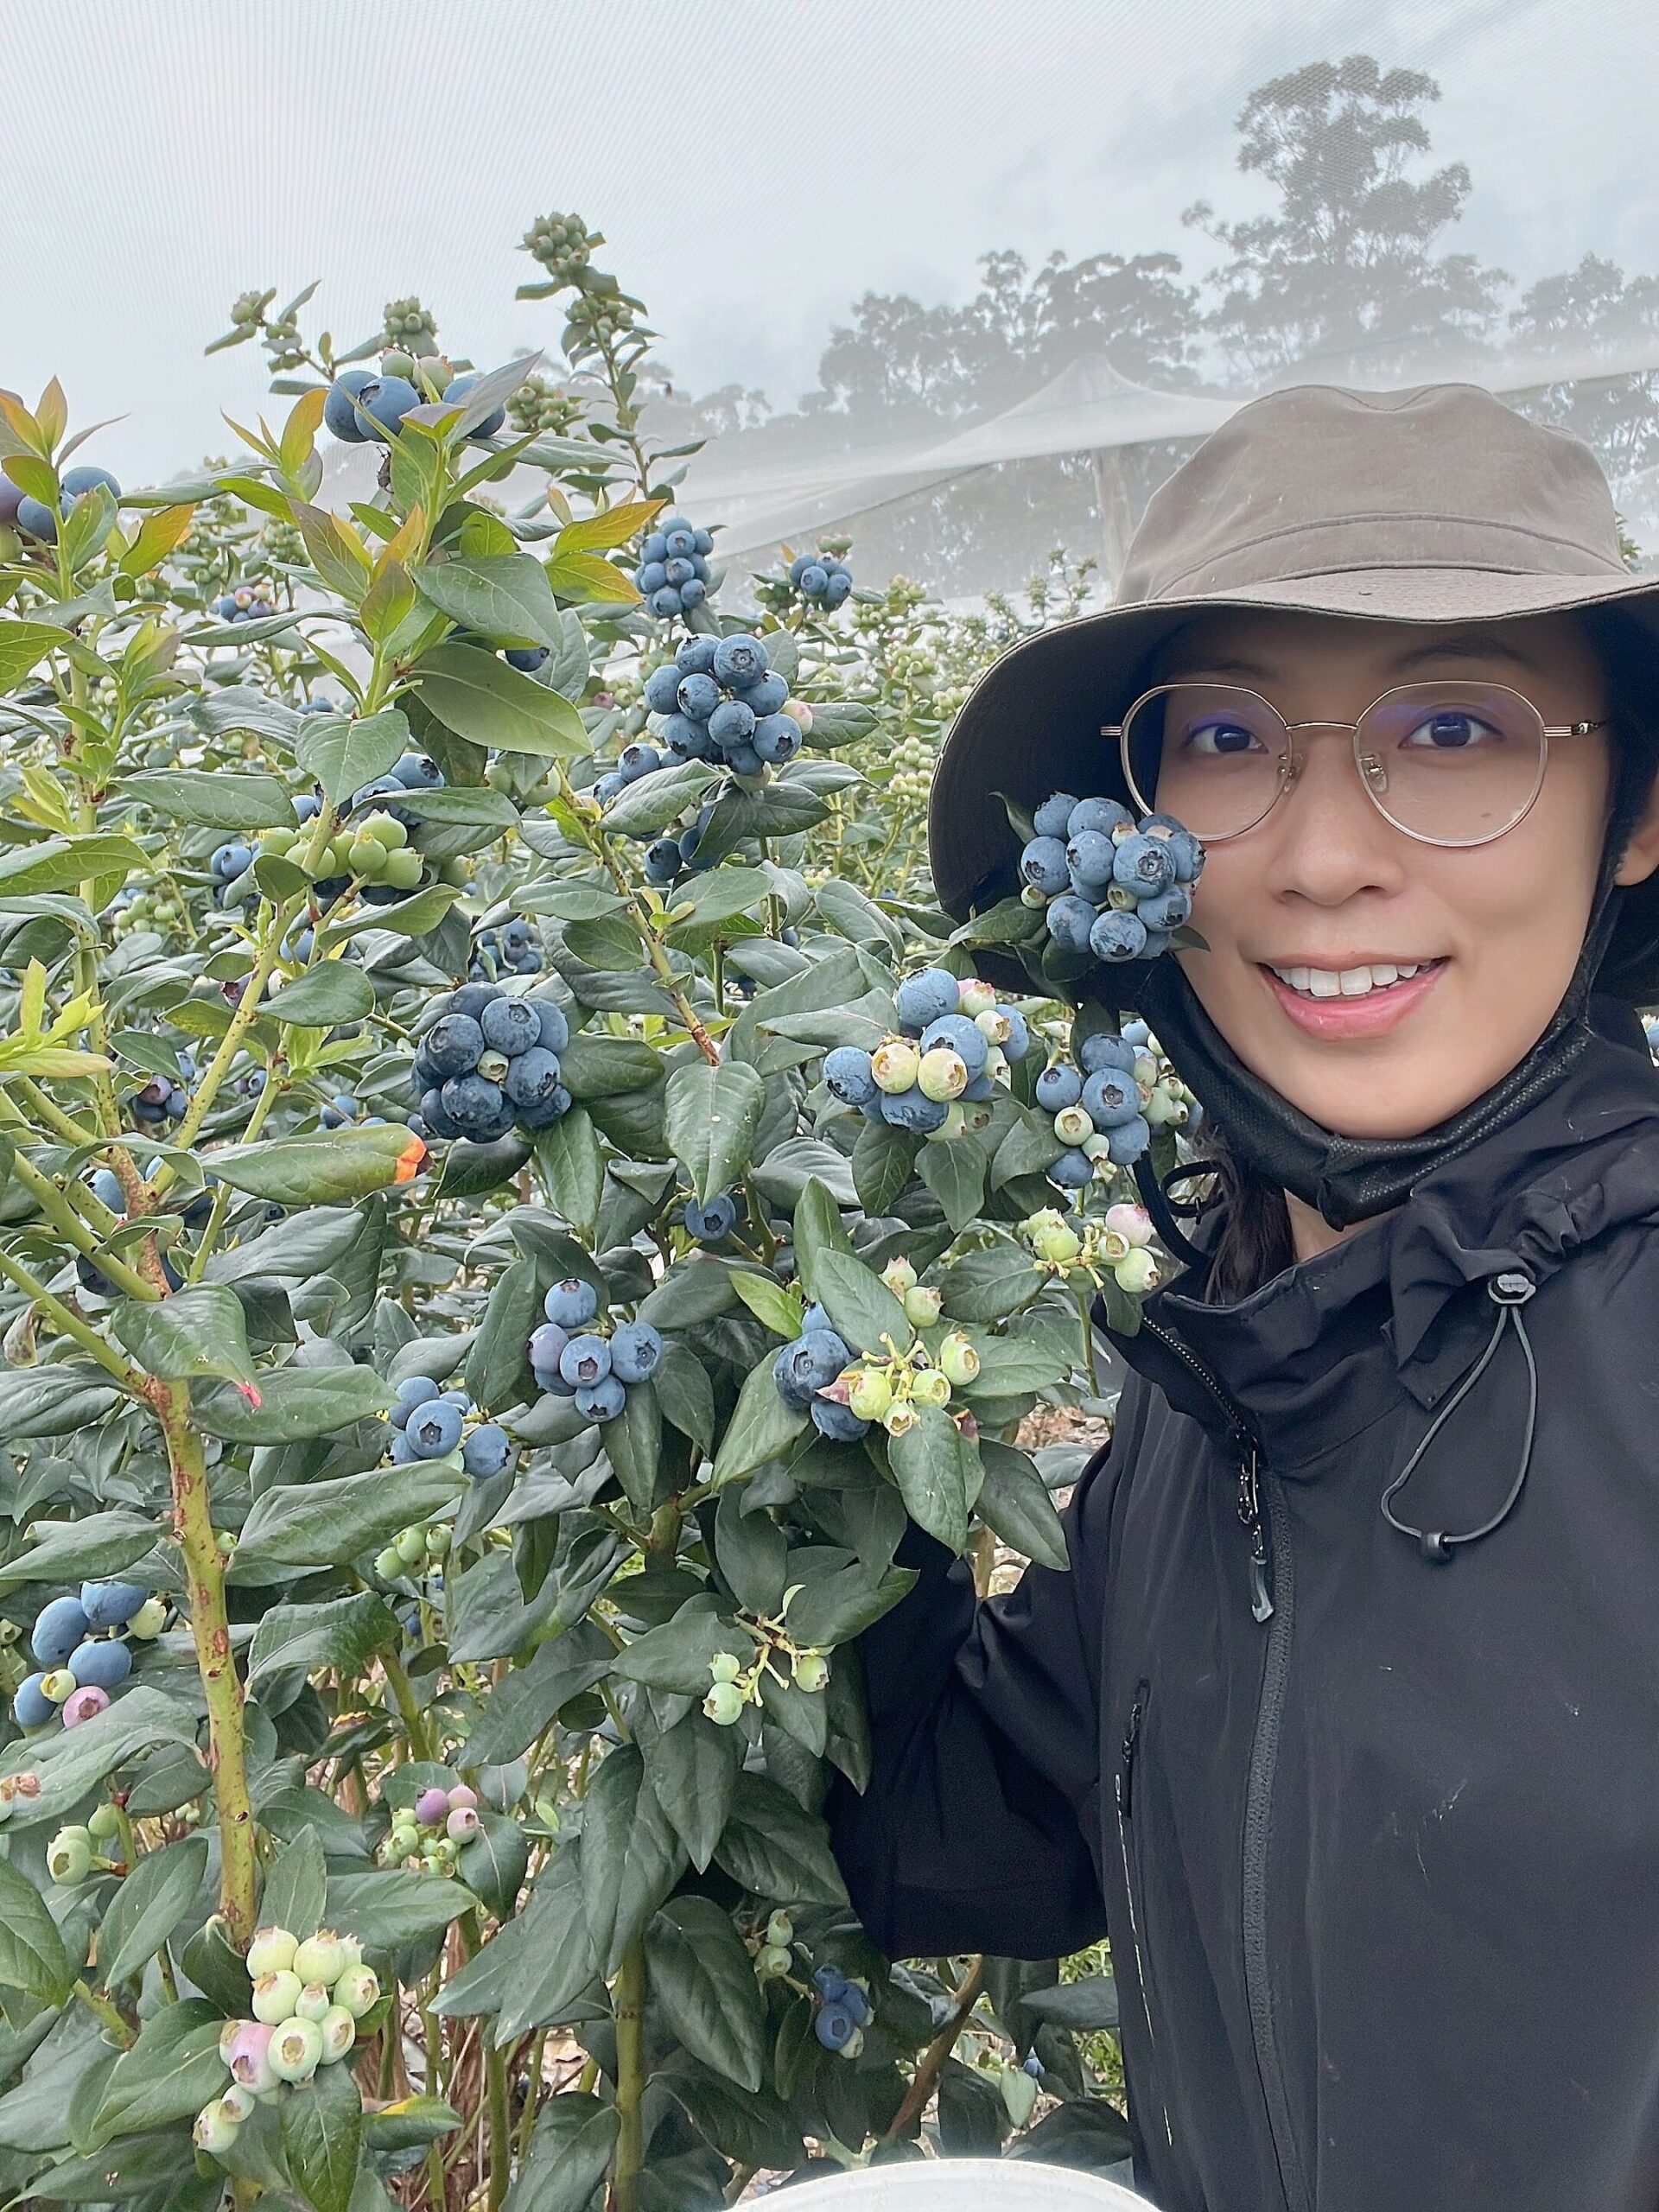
x=1325, y=983
x=1355, y=981
x=1346, y=983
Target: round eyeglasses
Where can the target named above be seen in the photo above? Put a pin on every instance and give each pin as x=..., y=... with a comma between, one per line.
x=1449, y=763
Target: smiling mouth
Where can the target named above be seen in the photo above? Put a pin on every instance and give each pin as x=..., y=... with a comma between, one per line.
x=1358, y=983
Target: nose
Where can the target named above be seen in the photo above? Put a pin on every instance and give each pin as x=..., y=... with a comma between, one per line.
x=1329, y=842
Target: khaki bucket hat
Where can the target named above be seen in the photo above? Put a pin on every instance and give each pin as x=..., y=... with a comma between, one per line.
x=1432, y=504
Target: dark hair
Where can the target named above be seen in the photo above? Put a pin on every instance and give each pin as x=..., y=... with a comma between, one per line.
x=1255, y=1244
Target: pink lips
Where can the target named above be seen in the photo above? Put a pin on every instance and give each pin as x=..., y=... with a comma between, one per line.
x=1373, y=1016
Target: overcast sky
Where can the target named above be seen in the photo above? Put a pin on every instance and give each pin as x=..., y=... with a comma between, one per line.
x=753, y=164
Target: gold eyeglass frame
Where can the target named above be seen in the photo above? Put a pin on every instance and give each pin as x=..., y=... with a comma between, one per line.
x=1368, y=767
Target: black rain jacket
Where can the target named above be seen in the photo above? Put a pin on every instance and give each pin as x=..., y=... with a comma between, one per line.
x=1375, y=1834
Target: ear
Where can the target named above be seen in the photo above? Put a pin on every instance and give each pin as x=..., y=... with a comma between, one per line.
x=1642, y=851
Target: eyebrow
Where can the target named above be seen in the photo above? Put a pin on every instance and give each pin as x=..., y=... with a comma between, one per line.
x=1460, y=648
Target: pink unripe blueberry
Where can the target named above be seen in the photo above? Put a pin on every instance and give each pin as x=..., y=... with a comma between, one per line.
x=275, y=1996
x=84, y=1705
x=1131, y=1222
x=461, y=1824
x=250, y=2056
x=431, y=1806
x=461, y=1796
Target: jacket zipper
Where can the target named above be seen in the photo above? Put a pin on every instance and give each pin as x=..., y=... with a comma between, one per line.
x=1272, y=1600
x=1131, y=1869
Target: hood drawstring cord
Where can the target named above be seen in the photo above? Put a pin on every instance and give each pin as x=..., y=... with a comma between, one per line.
x=1509, y=1293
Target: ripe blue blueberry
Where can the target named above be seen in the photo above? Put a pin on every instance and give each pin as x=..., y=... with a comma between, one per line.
x=663, y=689
x=1072, y=1170
x=1043, y=864
x=636, y=1351
x=1058, y=1087
x=1053, y=818
x=1126, y=1143
x=486, y=1451
x=698, y=695
x=340, y=417
x=695, y=592
x=111, y=1604
x=832, y=2026
x=601, y=1401
x=434, y=1429
x=547, y=1341
x=417, y=771
x=452, y=1045
x=732, y=722
x=59, y=1627
x=458, y=388
x=103, y=1666
x=511, y=1026
x=1102, y=815
x=35, y=519
x=1069, y=920
x=1137, y=1035
x=386, y=400
x=816, y=1317
x=586, y=1359
x=571, y=1304
x=106, y=1188
x=927, y=997
x=696, y=657
x=1166, y=910
x=777, y=739
x=1144, y=865
x=1090, y=859
x=662, y=860
x=1110, y=1099
x=740, y=661
x=711, y=1223
x=743, y=759
x=433, y=1117
x=1017, y=1043
x=913, y=1110
x=556, y=1029
x=636, y=760
x=479, y=1108
x=532, y=1077
x=830, y=1983
x=610, y=785
x=1115, y=936
x=1102, y=1050
x=413, y=1390
x=767, y=696
x=838, y=1422
x=30, y=1706
x=75, y=481
x=847, y=1073
x=650, y=576
x=962, y=1036
x=527, y=658
x=805, y=1365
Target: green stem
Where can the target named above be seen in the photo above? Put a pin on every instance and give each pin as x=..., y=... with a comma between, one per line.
x=241, y=1021
x=628, y=2006
x=49, y=1115
x=114, y=2024
x=63, y=1217
x=71, y=1325
x=532, y=2093
x=1087, y=1327
x=403, y=1690
x=501, y=2154
x=227, y=1753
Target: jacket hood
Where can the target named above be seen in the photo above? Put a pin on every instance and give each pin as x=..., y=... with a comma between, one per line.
x=1581, y=1160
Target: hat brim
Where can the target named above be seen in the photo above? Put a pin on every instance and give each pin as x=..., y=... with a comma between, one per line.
x=1030, y=726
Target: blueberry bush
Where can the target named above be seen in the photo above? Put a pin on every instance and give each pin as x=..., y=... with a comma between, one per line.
x=503, y=1218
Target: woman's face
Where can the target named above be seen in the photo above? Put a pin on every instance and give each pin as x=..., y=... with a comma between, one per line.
x=1325, y=882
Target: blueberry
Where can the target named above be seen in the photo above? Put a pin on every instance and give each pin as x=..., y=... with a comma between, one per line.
x=75, y=481
x=1043, y=864
x=413, y=1390
x=416, y=771
x=1058, y=1087
x=478, y=1108
x=662, y=860
x=833, y=2026
x=386, y=400
x=434, y=1429
x=663, y=690
x=766, y=696
x=1090, y=859
x=601, y=1401
x=571, y=1304
x=532, y=1077
x=340, y=417
x=650, y=576
x=694, y=594
x=434, y=1117
x=713, y=1224
x=839, y=1422
x=609, y=786
x=636, y=760
x=1110, y=1099
x=1098, y=815
x=962, y=1035
x=740, y=661
x=1102, y=1050
x=830, y=1983
x=732, y=722
x=473, y=998
x=546, y=1343
x=684, y=739
x=527, y=658
x=636, y=1351
x=666, y=601
x=928, y=997
x=458, y=388
x=743, y=759
x=1144, y=865
x=106, y=1188
x=696, y=657
x=814, y=580
x=102, y=1666
x=1187, y=853
x=698, y=698
x=814, y=1317
x=806, y=1365
x=1073, y=1170
x=1126, y=1143
x=847, y=1073
x=913, y=1110
x=1069, y=920
x=1053, y=818
x=35, y=519
x=486, y=1451
x=225, y=609
x=1137, y=1035
x=1017, y=1043
x=1166, y=910
x=555, y=1029
x=30, y=1706
x=511, y=1026
x=59, y=1627
x=1114, y=935
x=111, y=1604
x=452, y=1045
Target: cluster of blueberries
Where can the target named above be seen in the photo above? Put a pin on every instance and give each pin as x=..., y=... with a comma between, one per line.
x=512, y=946
x=1096, y=1107
x=33, y=518
x=415, y=1553
x=429, y=1423
x=821, y=578
x=1112, y=888
x=366, y=406
x=722, y=701
x=160, y=1100
x=81, y=1653
x=336, y=1112
x=1120, y=1241
x=808, y=1365
x=571, y=1359
x=673, y=571
x=954, y=1039
x=106, y=1186
x=844, y=2009
x=431, y=1832
x=246, y=605
x=308, y=1998
x=489, y=1064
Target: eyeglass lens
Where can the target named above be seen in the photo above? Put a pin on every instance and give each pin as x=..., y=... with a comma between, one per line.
x=1455, y=762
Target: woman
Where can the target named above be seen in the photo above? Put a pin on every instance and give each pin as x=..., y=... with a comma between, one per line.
x=1344, y=1722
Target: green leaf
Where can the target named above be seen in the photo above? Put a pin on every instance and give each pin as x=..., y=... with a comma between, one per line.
x=217, y=798
x=860, y=1304
x=32, y=1955
x=169, y=2073
x=148, y=1907
x=75, y=1551
x=53, y=1401
x=65, y=863
x=334, y=991
x=198, y=1331
x=989, y=1284
x=391, y=1909
x=833, y=1608
x=573, y=1168
x=323, y=1168
x=752, y=1551
x=411, y=916
x=319, y=1524
x=777, y=1309
x=345, y=755
x=504, y=597
x=762, y=1427
x=596, y=1067
x=494, y=1863
x=410, y=2124
x=704, y=1980
x=633, y=1443
x=630, y=1854
x=675, y=1658
x=569, y=2154
x=927, y=1467
x=23, y=645
x=521, y=1706
x=1035, y=1350
x=685, y=1395
x=1015, y=1500
x=712, y=1114
x=75, y=1760
x=322, y=2137
x=1029, y=1148
x=345, y=1633
x=752, y=2128
x=296, y=1893
x=774, y=1847
x=955, y=1171
x=650, y=803
x=783, y=1173
x=296, y=1404
x=483, y=699
x=497, y=1368
x=692, y=1771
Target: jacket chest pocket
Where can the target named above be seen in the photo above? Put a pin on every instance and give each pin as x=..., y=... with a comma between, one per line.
x=1130, y=1845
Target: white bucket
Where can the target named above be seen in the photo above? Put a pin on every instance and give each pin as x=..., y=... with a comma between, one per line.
x=960, y=2185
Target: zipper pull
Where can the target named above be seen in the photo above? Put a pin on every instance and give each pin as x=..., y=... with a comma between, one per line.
x=1250, y=1512
x=1126, y=1767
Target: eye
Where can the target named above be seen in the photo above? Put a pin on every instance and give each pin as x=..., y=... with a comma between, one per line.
x=1453, y=729
x=1218, y=739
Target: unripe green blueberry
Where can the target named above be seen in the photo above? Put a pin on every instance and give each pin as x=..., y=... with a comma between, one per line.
x=69, y=1857
x=322, y=1957
x=993, y=1025
x=296, y=2050
x=385, y=830
x=312, y=2002
x=724, y=1667
x=358, y=1991
x=276, y=1995
x=411, y=1546
x=899, y=1276
x=1059, y=1245
x=780, y=1928
x=977, y=997
x=723, y=1704
x=1163, y=1111
x=1096, y=1148
x=895, y=1064
x=339, y=2031
x=494, y=1067
x=869, y=1392
x=102, y=1823
x=771, y=1960
x=438, y=1541
x=1072, y=1125
x=957, y=1122
x=238, y=2101
x=922, y=1306
x=216, y=2127
x=931, y=1388
x=1137, y=1273
x=388, y=1565
x=402, y=870
x=958, y=1359
x=942, y=1074
x=1030, y=895
x=899, y=1417
x=150, y=1619
x=811, y=1670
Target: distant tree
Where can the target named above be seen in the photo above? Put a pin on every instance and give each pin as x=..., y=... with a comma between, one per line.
x=1342, y=272
x=1595, y=311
